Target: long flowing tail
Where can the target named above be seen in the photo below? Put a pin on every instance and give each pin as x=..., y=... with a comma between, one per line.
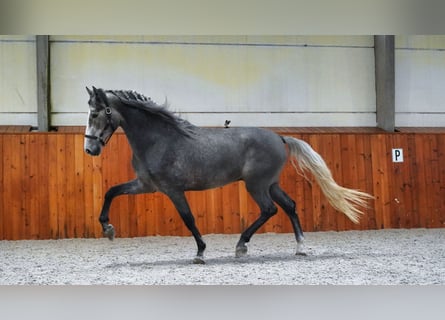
x=304, y=158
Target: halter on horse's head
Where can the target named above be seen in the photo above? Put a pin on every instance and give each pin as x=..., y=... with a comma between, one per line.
x=101, y=122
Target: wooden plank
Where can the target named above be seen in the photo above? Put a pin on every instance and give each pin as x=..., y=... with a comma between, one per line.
x=160, y=213
x=226, y=210
x=360, y=161
x=18, y=172
x=231, y=208
x=401, y=183
x=10, y=186
x=210, y=210
x=32, y=212
x=422, y=195
x=369, y=180
x=70, y=185
x=380, y=180
x=217, y=210
x=363, y=164
x=88, y=197
x=436, y=183
x=43, y=164
x=21, y=220
x=25, y=215
x=433, y=180
x=365, y=152
x=441, y=162
x=140, y=211
x=2, y=189
x=79, y=187
x=429, y=177
x=349, y=174
x=53, y=189
x=61, y=192
x=412, y=214
x=6, y=187
x=151, y=212
x=388, y=184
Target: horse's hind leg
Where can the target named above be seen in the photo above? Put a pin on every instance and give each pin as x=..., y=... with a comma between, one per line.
x=289, y=206
x=268, y=209
x=183, y=208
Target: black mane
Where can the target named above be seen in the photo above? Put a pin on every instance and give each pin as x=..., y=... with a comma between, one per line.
x=141, y=102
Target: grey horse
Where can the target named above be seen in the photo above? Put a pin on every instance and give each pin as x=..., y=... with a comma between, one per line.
x=170, y=155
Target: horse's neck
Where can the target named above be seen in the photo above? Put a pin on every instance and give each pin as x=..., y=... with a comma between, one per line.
x=144, y=132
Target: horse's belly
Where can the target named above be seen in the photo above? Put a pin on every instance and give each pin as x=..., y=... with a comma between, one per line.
x=211, y=179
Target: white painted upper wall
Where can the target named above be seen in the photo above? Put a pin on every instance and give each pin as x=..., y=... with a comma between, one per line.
x=253, y=81
x=420, y=81
x=18, y=91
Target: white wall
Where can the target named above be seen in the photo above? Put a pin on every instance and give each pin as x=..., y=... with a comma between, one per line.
x=18, y=91
x=420, y=81
x=252, y=80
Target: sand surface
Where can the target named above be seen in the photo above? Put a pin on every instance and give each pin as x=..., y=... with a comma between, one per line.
x=415, y=256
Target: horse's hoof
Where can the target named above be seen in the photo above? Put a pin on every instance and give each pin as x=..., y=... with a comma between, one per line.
x=240, y=251
x=199, y=260
x=109, y=232
x=300, y=249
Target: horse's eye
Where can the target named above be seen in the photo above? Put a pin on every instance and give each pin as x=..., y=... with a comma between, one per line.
x=94, y=115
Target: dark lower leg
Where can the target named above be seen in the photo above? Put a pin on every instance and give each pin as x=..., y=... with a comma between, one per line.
x=183, y=208
x=131, y=187
x=268, y=209
x=289, y=207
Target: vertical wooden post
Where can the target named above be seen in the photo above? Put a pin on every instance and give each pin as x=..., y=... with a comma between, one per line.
x=42, y=54
x=385, y=82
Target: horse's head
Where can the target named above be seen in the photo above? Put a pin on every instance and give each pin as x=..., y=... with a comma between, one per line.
x=101, y=122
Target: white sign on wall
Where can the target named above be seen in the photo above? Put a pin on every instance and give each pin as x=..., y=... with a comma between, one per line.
x=397, y=155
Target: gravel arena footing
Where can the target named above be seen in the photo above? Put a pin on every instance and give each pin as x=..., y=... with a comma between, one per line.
x=392, y=256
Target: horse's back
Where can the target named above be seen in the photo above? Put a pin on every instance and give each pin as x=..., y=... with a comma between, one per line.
x=249, y=153
x=213, y=157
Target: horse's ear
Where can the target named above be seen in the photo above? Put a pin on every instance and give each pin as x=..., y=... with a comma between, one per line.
x=89, y=91
x=100, y=93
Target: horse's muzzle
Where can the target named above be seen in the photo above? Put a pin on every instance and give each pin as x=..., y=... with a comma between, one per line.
x=92, y=150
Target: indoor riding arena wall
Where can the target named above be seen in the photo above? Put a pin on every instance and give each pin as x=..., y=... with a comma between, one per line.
x=51, y=189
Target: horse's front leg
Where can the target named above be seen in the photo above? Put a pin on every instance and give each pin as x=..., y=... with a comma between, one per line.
x=132, y=187
x=184, y=211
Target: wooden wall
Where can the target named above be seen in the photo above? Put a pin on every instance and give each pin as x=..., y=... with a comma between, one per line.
x=50, y=189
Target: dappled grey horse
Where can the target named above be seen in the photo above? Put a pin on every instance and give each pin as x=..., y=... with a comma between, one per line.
x=170, y=155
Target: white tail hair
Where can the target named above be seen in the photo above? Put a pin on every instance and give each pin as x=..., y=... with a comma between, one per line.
x=304, y=158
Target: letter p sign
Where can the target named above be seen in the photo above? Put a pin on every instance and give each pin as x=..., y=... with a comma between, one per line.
x=397, y=155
